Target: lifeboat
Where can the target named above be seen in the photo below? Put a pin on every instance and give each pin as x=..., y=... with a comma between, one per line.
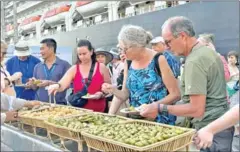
x=89, y=8
x=56, y=15
x=10, y=29
x=29, y=24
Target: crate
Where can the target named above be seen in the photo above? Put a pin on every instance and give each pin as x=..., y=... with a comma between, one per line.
x=67, y=133
x=171, y=144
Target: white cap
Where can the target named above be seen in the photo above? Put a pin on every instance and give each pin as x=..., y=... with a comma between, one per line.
x=157, y=40
x=22, y=49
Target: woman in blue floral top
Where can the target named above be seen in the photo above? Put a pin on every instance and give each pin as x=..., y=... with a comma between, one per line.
x=142, y=83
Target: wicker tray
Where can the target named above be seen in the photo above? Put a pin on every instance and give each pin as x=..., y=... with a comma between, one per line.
x=171, y=144
x=67, y=133
x=39, y=122
x=70, y=133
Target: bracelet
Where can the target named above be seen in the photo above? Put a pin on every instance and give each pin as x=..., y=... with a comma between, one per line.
x=159, y=108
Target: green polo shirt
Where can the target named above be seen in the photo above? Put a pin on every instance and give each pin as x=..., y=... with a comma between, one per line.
x=203, y=74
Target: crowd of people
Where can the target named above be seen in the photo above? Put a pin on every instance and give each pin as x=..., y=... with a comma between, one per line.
x=141, y=71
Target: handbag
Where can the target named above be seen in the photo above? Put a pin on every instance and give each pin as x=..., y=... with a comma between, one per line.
x=76, y=99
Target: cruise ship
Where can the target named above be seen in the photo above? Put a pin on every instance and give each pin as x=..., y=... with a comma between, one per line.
x=37, y=19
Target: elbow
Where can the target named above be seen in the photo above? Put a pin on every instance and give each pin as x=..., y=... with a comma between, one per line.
x=176, y=96
x=198, y=113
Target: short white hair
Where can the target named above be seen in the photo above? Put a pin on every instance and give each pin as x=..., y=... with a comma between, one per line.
x=132, y=35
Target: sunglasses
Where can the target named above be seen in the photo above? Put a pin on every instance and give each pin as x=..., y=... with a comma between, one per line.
x=4, y=53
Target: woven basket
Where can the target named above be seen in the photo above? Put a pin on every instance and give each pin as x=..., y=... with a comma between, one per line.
x=39, y=122
x=171, y=144
x=70, y=133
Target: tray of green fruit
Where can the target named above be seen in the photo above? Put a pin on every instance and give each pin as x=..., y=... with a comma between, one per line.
x=71, y=127
x=138, y=135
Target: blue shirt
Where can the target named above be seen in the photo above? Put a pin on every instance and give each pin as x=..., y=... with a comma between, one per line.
x=26, y=68
x=55, y=74
x=146, y=86
x=173, y=63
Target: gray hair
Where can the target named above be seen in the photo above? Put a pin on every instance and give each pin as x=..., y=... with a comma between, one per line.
x=207, y=37
x=132, y=35
x=3, y=44
x=179, y=24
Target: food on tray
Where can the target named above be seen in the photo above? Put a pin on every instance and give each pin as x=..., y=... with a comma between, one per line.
x=131, y=109
x=135, y=134
x=37, y=107
x=37, y=82
x=53, y=112
x=88, y=120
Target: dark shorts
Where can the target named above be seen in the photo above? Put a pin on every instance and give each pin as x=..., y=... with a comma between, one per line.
x=222, y=141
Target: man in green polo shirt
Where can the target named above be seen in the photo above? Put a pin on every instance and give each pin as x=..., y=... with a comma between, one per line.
x=203, y=84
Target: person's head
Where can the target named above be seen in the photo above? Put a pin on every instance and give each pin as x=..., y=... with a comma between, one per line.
x=132, y=40
x=85, y=52
x=208, y=40
x=48, y=48
x=116, y=57
x=103, y=56
x=233, y=58
x=22, y=50
x=178, y=34
x=3, y=50
x=158, y=44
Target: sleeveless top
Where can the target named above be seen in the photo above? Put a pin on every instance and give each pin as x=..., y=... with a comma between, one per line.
x=95, y=86
x=145, y=87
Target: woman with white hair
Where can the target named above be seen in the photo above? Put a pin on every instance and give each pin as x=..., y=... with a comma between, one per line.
x=143, y=83
x=6, y=79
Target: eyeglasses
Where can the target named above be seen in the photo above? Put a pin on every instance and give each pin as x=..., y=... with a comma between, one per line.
x=167, y=42
x=124, y=50
x=4, y=53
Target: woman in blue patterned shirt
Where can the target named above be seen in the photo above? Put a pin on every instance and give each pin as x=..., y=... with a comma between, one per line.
x=142, y=83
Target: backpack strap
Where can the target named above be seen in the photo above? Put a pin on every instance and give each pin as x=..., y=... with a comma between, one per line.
x=157, y=67
x=129, y=62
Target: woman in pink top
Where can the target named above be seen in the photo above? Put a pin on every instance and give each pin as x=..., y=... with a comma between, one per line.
x=79, y=75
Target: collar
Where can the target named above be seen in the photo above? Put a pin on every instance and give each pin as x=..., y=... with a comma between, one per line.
x=57, y=61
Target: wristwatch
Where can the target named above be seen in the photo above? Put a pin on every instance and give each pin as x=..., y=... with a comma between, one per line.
x=164, y=109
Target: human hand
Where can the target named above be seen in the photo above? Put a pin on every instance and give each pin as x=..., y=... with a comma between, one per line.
x=53, y=89
x=203, y=139
x=107, y=88
x=30, y=83
x=16, y=76
x=149, y=111
x=97, y=95
x=11, y=116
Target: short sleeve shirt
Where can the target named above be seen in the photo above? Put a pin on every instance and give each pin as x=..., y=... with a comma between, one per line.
x=203, y=74
x=55, y=74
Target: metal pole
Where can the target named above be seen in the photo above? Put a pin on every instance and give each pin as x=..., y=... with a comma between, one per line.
x=2, y=21
x=15, y=22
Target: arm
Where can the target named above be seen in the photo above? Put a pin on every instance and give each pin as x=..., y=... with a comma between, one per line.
x=195, y=79
x=204, y=136
x=170, y=82
x=229, y=119
x=105, y=72
x=124, y=93
x=120, y=96
x=67, y=78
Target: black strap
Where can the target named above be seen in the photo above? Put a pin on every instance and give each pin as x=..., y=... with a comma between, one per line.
x=155, y=58
x=90, y=74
